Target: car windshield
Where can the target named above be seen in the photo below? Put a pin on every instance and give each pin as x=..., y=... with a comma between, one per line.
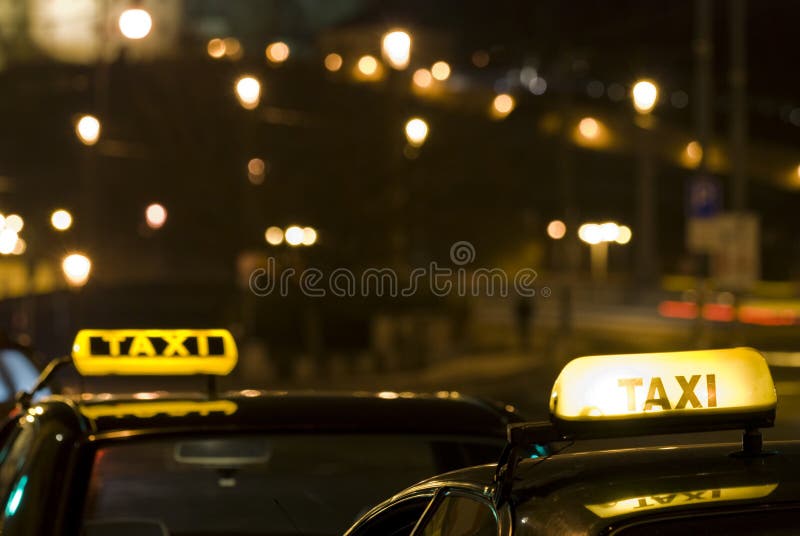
x=264, y=485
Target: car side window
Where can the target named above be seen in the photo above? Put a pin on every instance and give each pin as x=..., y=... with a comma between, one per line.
x=399, y=519
x=458, y=514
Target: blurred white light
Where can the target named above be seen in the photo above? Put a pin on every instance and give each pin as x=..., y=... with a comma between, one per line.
x=248, y=91
x=61, y=220
x=624, y=235
x=609, y=231
x=155, y=216
x=397, y=48
x=14, y=222
x=274, y=236
x=8, y=239
x=309, y=236
x=76, y=268
x=556, y=229
x=416, y=131
x=88, y=129
x=645, y=95
x=294, y=235
x=590, y=233
x=441, y=70
x=135, y=23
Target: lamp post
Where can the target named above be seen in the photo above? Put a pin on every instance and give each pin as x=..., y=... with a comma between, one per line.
x=645, y=97
x=599, y=236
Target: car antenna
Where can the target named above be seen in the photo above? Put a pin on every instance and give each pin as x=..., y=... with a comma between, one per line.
x=24, y=398
x=522, y=437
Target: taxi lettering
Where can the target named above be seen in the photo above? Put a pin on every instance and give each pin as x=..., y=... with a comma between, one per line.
x=142, y=345
x=677, y=498
x=657, y=394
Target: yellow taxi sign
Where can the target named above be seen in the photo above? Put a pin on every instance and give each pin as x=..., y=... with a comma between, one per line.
x=171, y=352
x=676, y=499
x=675, y=386
x=149, y=409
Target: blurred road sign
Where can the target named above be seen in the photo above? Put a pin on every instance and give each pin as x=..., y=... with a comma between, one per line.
x=703, y=203
x=736, y=258
x=704, y=197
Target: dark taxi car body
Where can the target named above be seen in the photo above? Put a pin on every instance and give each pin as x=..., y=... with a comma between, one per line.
x=705, y=489
x=539, y=488
x=248, y=463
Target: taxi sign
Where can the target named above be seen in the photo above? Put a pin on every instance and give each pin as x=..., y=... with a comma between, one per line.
x=664, y=392
x=171, y=352
x=676, y=499
x=149, y=409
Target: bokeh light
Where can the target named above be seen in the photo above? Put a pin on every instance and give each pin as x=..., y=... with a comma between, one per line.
x=502, y=105
x=416, y=131
x=8, y=239
x=309, y=236
x=76, y=268
x=15, y=222
x=277, y=52
x=248, y=91
x=645, y=95
x=216, y=48
x=155, y=216
x=274, y=236
x=556, y=229
x=88, y=129
x=589, y=128
x=256, y=170
x=135, y=23
x=422, y=78
x=396, y=48
x=440, y=70
x=61, y=220
x=333, y=62
x=294, y=235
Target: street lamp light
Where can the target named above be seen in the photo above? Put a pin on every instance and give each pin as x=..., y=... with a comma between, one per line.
x=599, y=236
x=61, y=220
x=294, y=235
x=155, y=216
x=396, y=48
x=88, y=129
x=645, y=96
x=277, y=52
x=76, y=268
x=135, y=23
x=248, y=91
x=416, y=131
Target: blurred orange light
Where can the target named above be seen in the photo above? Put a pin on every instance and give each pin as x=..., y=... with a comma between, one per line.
x=277, y=52
x=396, y=48
x=480, y=58
x=502, y=105
x=589, y=128
x=422, y=78
x=274, y=236
x=88, y=129
x=692, y=154
x=248, y=91
x=155, y=216
x=368, y=65
x=216, y=48
x=256, y=169
x=556, y=229
x=333, y=62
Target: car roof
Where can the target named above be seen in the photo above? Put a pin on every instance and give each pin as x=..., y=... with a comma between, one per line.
x=587, y=492
x=443, y=413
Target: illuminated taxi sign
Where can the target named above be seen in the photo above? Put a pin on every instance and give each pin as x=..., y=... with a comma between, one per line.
x=632, y=505
x=149, y=409
x=678, y=386
x=154, y=351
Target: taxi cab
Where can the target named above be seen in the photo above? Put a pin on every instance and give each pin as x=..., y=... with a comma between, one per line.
x=239, y=463
x=539, y=487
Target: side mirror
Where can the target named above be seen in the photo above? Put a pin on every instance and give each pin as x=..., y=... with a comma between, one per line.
x=125, y=527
